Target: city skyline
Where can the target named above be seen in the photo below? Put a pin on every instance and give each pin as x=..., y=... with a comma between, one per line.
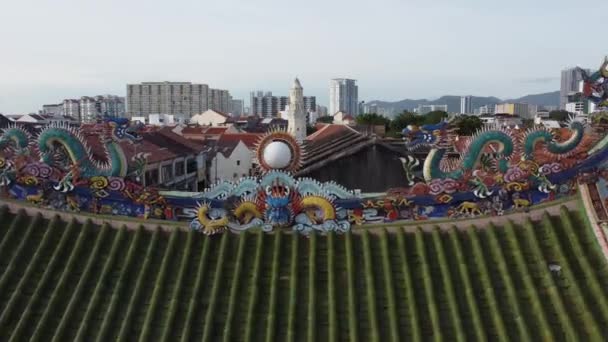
x=409, y=61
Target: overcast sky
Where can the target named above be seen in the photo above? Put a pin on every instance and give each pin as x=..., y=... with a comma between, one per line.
x=51, y=50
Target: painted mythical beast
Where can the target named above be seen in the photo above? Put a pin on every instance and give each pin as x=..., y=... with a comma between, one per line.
x=114, y=131
x=498, y=147
x=64, y=153
x=277, y=200
x=595, y=85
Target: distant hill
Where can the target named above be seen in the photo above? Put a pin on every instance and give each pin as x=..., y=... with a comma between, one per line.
x=453, y=102
x=544, y=99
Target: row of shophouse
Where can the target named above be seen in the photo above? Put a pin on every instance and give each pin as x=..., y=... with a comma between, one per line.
x=215, y=147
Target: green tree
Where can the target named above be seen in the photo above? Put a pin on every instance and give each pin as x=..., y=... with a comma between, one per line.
x=468, y=124
x=434, y=117
x=372, y=119
x=326, y=119
x=527, y=123
x=405, y=119
x=310, y=129
x=559, y=115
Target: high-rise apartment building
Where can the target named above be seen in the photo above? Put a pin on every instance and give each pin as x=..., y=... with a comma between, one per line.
x=570, y=81
x=343, y=96
x=52, y=109
x=321, y=111
x=111, y=105
x=237, y=107
x=520, y=109
x=220, y=100
x=310, y=104
x=264, y=104
x=487, y=109
x=425, y=109
x=183, y=98
x=102, y=105
x=88, y=108
x=466, y=105
x=71, y=107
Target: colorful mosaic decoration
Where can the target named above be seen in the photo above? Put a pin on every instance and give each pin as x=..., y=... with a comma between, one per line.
x=595, y=86
x=276, y=200
x=497, y=170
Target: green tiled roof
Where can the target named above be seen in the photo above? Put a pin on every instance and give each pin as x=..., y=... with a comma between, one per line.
x=61, y=281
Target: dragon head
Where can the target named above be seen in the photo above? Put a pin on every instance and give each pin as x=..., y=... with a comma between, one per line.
x=604, y=68
x=437, y=135
x=278, y=197
x=121, y=129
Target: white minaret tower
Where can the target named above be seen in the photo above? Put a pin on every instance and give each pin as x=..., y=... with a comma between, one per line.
x=296, y=115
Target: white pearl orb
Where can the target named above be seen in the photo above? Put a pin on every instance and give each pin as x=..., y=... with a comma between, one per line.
x=277, y=155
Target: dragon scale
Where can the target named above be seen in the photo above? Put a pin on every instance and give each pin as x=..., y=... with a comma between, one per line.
x=439, y=139
x=79, y=153
x=563, y=148
x=16, y=136
x=432, y=165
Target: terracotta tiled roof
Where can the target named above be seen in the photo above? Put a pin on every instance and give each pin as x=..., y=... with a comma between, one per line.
x=328, y=131
x=155, y=153
x=204, y=130
x=193, y=130
x=191, y=144
x=249, y=139
x=228, y=142
x=176, y=145
x=215, y=130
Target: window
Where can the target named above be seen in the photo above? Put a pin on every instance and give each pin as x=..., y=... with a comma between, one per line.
x=167, y=173
x=179, y=169
x=192, y=166
x=152, y=177
x=238, y=162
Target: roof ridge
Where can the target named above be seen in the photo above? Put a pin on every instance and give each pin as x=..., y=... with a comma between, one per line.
x=312, y=136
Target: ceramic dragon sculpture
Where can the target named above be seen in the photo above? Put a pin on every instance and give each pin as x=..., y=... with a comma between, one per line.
x=72, y=141
x=491, y=148
x=16, y=139
x=595, y=85
x=275, y=201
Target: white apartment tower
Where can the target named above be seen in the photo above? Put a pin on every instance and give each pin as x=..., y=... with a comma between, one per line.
x=167, y=98
x=570, y=81
x=296, y=115
x=343, y=96
x=220, y=100
x=175, y=98
x=466, y=105
x=71, y=107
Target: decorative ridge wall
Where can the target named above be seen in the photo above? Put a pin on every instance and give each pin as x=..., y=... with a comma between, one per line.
x=500, y=170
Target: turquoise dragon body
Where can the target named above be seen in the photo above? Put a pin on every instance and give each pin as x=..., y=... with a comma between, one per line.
x=76, y=147
x=440, y=138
